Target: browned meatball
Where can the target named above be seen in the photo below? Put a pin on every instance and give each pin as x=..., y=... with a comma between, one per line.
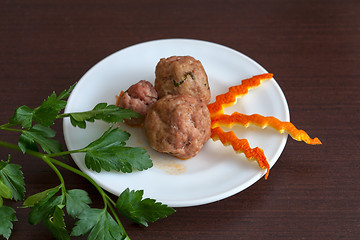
x=182, y=75
x=178, y=125
x=139, y=97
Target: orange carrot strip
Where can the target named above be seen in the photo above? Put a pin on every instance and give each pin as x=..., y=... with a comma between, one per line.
x=261, y=121
x=229, y=98
x=118, y=98
x=241, y=146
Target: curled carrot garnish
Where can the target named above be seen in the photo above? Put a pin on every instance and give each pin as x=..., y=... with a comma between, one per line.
x=118, y=98
x=218, y=118
x=241, y=146
x=261, y=121
x=229, y=98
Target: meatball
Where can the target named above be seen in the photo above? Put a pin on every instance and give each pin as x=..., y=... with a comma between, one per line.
x=178, y=125
x=182, y=75
x=139, y=97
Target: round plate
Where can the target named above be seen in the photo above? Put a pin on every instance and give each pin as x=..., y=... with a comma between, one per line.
x=217, y=172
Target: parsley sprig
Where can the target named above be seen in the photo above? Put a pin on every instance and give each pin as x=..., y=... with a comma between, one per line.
x=109, y=152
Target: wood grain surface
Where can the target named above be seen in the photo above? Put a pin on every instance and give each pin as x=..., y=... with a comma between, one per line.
x=313, y=49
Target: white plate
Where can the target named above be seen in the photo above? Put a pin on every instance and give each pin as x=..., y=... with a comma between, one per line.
x=216, y=172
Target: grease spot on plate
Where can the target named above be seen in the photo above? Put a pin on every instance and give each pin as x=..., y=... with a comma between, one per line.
x=171, y=167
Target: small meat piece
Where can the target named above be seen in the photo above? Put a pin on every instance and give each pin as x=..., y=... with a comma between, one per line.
x=139, y=97
x=182, y=75
x=179, y=125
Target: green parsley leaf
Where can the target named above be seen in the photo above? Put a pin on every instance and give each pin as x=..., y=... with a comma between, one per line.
x=43, y=209
x=36, y=198
x=43, y=204
x=12, y=177
x=109, y=152
x=45, y=114
x=99, y=224
x=102, y=111
x=132, y=205
x=66, y=93
x=5, y=191
x=23, y=115
x=77, y=200
x=56, y=224
x=48, y=111
x=3, y=164
x=27, y=143
x=7, y=216
x=41, y=135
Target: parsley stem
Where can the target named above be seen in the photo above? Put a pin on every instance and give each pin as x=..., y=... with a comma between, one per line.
x=110, y=200
x=118, y=220
x=52, y=161
x=78, y=172
x=7, y=125
x=58, y=154
x=44, y=157
x=63, y=115
x=105, y=197
x=4, y=126
x=112, y=203
x=10, y=145
x=47, y=158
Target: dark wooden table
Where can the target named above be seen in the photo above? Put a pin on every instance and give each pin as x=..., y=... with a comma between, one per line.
x=312, y=47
